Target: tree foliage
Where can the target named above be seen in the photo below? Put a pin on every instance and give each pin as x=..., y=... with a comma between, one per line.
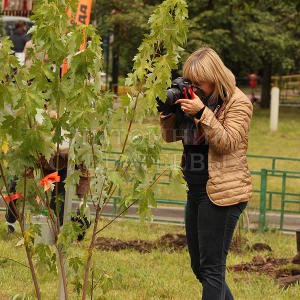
x=78, y=111
x=128, y=22
x=251, y=36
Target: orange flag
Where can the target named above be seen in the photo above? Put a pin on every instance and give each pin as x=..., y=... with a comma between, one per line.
x=83, y=15
x=84, y=12
x=46, y=181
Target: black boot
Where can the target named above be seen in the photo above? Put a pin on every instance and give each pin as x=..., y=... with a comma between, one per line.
x=296, y=259
x=10, y=229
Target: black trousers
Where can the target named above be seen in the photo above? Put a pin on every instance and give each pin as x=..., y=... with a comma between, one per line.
x=209, y=231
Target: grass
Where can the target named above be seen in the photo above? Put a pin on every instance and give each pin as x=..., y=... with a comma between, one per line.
x=285, y=142
x=156, y=275
x=167, y=275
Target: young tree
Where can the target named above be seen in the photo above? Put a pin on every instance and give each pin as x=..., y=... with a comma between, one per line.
x=84, y=115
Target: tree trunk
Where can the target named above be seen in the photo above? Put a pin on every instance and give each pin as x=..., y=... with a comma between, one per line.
x=33, y=273
x=266, y=87
x=115, y=59
x=90, y=253
x=115, y=69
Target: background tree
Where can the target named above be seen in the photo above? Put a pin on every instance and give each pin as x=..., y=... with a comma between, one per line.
x=251, y=36
x=127, y=22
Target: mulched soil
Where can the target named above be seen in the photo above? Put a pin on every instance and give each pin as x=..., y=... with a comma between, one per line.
x=167, y=242
x=261, y=247
x=273, y=267
x=175, y=242
x=111, y=244
x=281, y=269
x=287, y=272
x=261, y=265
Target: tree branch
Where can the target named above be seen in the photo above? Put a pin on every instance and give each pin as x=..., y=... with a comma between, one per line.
x=135, y=201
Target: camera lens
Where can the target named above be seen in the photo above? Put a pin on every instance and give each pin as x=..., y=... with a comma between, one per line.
x=172, y=95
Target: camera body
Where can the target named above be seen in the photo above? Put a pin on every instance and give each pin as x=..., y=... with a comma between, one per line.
x=180, y=89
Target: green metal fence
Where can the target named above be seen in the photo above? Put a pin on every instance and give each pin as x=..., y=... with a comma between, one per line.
x=273, y=159
x=266, y=196
x=289, y=86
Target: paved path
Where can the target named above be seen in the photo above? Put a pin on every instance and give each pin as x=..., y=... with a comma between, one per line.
x=169, y=214
x=175, y=215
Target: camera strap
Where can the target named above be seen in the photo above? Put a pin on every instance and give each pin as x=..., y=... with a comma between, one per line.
x=217, y=109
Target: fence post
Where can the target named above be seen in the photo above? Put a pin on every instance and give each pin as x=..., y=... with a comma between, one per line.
x=282, y=200
x=115, y=206
x=67, y=218
x=270, y=200
x=273, y=165
x=263, y=200
x=274, y=108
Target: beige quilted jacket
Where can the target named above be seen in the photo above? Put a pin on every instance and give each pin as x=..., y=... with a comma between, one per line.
x=227, y=134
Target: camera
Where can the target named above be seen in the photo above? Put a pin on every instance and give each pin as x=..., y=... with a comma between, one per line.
x=180, y=89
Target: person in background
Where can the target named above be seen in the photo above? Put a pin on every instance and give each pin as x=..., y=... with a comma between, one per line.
x=19, y=39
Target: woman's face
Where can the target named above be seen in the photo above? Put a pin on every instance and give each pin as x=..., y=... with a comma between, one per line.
x=206, y=87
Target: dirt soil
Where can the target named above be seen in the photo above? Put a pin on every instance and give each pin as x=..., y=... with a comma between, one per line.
x=261, y=247
x=260, y=264
x=278, y=268
x=175, y=242
x=281, y=269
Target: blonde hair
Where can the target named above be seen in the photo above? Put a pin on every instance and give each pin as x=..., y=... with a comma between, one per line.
x=205, y=65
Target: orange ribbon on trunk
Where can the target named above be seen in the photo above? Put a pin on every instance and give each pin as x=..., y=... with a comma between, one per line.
x=13, y=197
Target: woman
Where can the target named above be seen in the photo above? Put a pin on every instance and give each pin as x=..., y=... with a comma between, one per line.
x=214, y=164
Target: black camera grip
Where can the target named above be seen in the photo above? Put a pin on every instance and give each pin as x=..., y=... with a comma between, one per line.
x=164, y=107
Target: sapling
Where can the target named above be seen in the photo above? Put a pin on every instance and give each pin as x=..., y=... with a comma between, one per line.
x=77, y=111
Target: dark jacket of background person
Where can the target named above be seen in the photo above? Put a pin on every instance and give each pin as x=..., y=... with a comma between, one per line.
x=19, y=37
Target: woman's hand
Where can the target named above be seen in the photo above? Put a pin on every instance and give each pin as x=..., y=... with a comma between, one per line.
x=191, y=106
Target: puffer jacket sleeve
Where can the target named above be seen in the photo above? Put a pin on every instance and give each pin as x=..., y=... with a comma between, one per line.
x=168, y=127
x=226, y=137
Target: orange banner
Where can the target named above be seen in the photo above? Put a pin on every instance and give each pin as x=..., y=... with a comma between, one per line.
x=84, y=12
x=83, y=16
